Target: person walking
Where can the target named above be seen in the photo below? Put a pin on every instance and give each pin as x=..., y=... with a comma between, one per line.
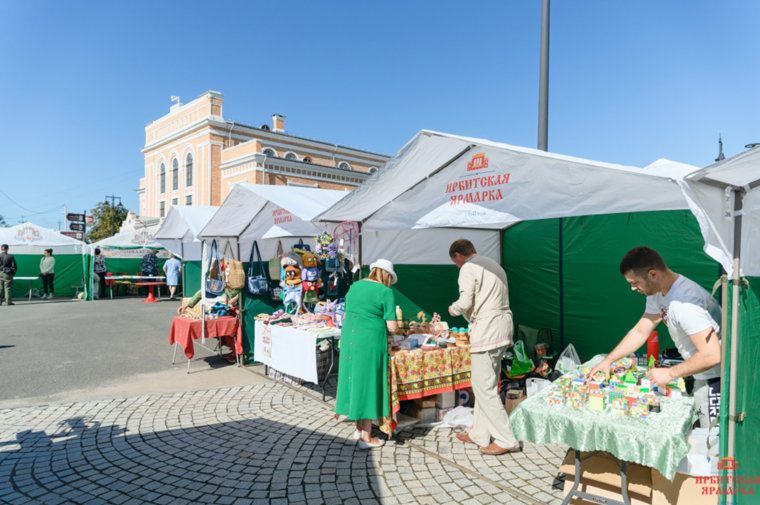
x=363, y=367
x=8, y=269
x=47, y=274
x=691, y=315
x=484, y=302
x=100, y=269
x=172, y=270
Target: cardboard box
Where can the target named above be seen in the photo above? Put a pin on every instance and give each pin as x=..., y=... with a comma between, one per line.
x=424, y=415
x=600, y=475
x=446, y=400
x=683, y=490
x=426, y=403
x=514, y=398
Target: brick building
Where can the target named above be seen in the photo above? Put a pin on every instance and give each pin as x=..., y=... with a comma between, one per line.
x=193, y=156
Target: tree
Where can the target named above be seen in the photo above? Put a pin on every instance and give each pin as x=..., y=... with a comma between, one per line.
x=3, y=224
x=108, y=219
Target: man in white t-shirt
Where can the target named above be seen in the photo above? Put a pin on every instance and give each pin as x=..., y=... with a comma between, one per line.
x=689, y=312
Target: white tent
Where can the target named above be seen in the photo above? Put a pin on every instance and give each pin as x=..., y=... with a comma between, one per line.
x=725, y=198
x=179, y=231
x=266, y=213
x=439, y=180
x=130, y=244
x=28, y=238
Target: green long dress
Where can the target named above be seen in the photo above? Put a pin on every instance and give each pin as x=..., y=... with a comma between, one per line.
x=363, y=369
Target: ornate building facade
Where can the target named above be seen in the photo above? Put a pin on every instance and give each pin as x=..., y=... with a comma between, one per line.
x=193, y=156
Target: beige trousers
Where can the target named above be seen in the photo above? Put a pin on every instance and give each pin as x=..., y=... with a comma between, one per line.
x=491, y=420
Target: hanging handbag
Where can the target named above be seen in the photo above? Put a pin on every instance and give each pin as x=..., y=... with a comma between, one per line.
x=300, y=246
x=214, y=273
x=257, y=284
x=235, y=273
x=274, y=263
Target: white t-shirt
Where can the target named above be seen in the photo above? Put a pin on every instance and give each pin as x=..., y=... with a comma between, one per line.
x=687, y=309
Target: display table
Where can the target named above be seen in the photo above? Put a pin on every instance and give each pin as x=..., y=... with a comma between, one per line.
x=292, y=351
x=185, y=330
x=30, y=280
x=127, y=280
x=417, y=374
x=658, y=441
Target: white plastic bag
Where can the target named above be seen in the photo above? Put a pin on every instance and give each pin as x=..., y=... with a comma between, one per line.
x=534, y=385
x=460, y=416
x=569, y=360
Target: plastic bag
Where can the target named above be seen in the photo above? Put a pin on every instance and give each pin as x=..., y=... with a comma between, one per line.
x=460, y=416
x=569, y=360
x=534, y=385
x=522, y=364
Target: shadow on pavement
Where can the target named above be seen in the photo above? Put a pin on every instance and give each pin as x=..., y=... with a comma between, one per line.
x=250, y=459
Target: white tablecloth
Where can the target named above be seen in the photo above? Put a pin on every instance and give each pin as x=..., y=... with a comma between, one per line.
x=289, y=350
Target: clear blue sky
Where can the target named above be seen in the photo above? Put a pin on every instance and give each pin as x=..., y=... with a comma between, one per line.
x=630, y=81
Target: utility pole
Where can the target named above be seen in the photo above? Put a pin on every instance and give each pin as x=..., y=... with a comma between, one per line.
x=543, y=85
x=113, y=200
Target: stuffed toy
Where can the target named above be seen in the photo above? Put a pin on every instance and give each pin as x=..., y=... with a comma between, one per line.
x=311, y=277
x=292, y=290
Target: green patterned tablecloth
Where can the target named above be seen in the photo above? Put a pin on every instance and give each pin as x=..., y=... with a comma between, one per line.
x=659, y=441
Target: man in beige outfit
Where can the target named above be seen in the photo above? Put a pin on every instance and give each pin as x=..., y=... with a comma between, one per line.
x=484, y=302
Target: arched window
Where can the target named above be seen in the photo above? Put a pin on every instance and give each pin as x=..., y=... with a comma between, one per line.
x=162, y=178
x=291, y=156
x=175, y=174
x=306, y=159
x=344, y=166
x=373, y=170
x=189, y=170
x=269, y=152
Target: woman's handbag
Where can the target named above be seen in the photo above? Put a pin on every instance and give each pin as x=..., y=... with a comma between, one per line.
x=214, y=274
x=257, y=285
x=235, y=272
x=274, y=263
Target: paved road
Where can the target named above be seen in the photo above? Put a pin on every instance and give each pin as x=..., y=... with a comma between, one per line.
x=81, y=350
x=264, y=443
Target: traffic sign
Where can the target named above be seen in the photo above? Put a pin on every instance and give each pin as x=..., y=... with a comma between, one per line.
x=73, y=234
x=89, y=220
x=76, y=226
x=75, y=217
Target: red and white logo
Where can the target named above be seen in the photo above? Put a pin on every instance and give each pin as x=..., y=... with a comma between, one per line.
x=477, y=162
x=728, y=464
x=28, y=234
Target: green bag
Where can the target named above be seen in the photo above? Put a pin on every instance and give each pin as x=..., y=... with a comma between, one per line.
x=522, y=364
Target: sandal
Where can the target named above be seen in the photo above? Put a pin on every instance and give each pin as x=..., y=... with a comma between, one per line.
x=371, y=445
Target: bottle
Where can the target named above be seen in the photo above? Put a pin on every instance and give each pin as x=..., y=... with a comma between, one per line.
x=399, y=314
x=653, y=346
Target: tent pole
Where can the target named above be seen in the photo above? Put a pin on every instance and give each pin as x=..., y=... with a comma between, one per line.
x=736, y=279
x=561, y=273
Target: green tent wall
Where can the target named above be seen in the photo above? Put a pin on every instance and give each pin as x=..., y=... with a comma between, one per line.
x=69, y=272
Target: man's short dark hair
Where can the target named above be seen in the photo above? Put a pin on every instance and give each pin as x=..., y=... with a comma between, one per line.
x=4, y=247
x=463, y=247
x=97, y=250
x=641, y=259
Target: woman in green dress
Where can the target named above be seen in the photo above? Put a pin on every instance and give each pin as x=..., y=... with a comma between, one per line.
x=363, y=370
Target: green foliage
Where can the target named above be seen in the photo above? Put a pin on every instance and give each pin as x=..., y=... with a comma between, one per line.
x=3, y=224
x=108, y=219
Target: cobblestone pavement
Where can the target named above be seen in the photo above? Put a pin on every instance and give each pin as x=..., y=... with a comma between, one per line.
x=264, y=443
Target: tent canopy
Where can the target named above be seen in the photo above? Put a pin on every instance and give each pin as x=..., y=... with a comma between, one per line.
x=179, y=231
x=441, y=180
x=712, y=198
x=28, y=238
x=255, y=212
x=130, y=244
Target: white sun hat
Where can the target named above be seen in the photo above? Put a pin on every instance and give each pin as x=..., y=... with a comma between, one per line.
x=387, y=266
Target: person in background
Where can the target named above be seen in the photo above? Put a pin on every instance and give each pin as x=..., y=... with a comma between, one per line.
x=484, y=302
x=149, y=265
x=100, y=269
x=8, y=269
x=47, y=273
x=172, y=270
x=691, y=315
x=363, y=367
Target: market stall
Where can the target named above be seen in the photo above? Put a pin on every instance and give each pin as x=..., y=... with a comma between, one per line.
x=27, y=243
x=277, y=219
x=725, y=198
x=123, y=254
x=178, y=234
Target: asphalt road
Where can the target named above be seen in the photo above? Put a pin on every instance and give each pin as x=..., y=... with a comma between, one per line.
x=119, y=347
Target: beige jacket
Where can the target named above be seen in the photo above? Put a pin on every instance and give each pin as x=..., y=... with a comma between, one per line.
x=484, y=302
